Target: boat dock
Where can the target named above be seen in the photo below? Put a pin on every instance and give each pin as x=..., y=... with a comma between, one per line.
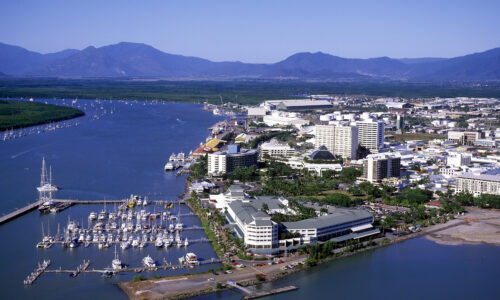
x=65, y=203
x=271, y=292
x=83, y=268
x=38, y=271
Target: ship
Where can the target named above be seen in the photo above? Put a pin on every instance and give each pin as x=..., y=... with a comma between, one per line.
x=46, y=181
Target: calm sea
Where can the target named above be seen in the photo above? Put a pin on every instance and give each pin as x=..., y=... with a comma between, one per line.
x=114, y=155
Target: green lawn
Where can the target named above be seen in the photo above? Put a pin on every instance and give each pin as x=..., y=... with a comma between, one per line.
x=17, y=114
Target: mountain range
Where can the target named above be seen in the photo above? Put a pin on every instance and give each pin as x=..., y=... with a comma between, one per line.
x=134, y=60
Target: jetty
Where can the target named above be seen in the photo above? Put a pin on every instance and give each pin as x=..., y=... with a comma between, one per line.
x=271, y=292
x=20, y=212
x=65, y=203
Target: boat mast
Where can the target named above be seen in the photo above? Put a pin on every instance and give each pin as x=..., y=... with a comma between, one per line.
x=42, y=181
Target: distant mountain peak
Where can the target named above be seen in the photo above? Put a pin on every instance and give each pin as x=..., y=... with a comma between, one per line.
x=141, y=60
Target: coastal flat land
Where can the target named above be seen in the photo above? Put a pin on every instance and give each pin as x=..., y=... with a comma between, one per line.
x=192, y=285
x=478, y=226
x=244, y=91
x=417, y=136
x=17, y=114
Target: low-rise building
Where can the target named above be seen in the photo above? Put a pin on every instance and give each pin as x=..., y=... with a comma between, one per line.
x=276, y=149
x=478, y=184
x=254, y=226
x=339, y=225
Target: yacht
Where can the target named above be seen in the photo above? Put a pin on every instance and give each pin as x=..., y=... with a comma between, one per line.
x=148, y=262
x=145, y=201
x=116, y=263
x=191, y=258
x=159, y=242
x=103, y=215
x=125, y=245
x=93, y=216
x=170, y=166
x=186, y=243
x=135, y=242
x=46, y=183
x=179, y=226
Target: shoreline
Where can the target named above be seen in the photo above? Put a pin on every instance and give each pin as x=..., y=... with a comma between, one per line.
x=199, y=284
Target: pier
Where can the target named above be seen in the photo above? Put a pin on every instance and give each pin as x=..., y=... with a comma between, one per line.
x=271, y=292
x=19, y=212
x=68, y=202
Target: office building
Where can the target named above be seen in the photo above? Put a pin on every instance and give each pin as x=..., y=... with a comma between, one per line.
x=379, y=166
x=224, y=162
x=464, y=137
x=339, y=140
x=371, y=134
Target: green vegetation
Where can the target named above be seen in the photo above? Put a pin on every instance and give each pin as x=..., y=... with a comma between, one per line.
x=487, y=201
x=199, y=169
x=417, y=136
x=17, y=114
x=248, y=92
x=218, y=286
x=303, y=212
x=138, y=278
x=244, y=174
x=259, y=277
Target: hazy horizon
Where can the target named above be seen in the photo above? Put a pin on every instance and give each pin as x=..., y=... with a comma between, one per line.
x=257, y=32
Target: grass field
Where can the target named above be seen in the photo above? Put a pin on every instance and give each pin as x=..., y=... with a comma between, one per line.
x=17, y=114
x=417, y=136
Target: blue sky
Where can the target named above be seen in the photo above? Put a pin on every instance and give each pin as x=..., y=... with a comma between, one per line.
x=257, y=31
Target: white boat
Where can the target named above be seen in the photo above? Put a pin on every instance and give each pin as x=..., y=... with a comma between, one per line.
x=145, y=202
x=179, y=226
x=159, y=242
x=170, y=166
x=148, y=262
x=93, y=216
x=46, y=183
x=171, y=227
x=116, y=263
x=135, y=242
x=191, y=258
x=125, y=245
x=186, y=243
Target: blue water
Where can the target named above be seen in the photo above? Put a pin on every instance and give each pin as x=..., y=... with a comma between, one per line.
x=108, y=156
x=414, y=269
x=114, y=155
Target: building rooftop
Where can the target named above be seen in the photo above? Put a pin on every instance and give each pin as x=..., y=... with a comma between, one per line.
x=481, y=177
x=338, y=216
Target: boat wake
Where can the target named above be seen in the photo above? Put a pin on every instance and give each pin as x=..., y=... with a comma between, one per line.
x=26, y=151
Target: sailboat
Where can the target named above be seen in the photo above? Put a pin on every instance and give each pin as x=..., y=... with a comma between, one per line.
x=46, y=183
x=116, y=263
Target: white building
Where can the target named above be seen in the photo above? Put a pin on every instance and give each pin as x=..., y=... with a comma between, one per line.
x=371, y=134
x=457, y=159
x=346, y=141
x=273, y=148
x=217, y=163
x=279, y=118
x=340, y=140
x=254, y=226
x=478, y=184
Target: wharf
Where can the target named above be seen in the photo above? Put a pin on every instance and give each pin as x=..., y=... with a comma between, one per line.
x=19, y=212
x=271, y=292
